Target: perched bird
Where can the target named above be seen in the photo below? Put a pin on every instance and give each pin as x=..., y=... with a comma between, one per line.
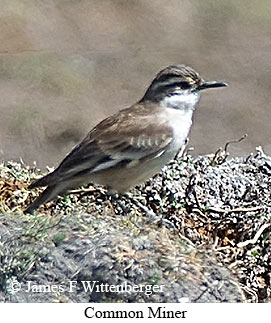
x=133, y=144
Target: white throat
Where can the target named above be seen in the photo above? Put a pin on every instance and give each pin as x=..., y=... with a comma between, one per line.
x=183, y=101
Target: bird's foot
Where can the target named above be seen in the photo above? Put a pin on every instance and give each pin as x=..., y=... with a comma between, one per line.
x=153, y=218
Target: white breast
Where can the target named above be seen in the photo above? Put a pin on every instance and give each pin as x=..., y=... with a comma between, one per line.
x=178, y=109
x=182, y=101
x=181, y=122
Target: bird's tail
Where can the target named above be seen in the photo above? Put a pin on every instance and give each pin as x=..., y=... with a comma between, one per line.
x=43, y=181
x=50, y=193
x=47, y=195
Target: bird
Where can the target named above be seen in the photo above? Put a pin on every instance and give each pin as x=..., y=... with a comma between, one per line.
x=132, y=145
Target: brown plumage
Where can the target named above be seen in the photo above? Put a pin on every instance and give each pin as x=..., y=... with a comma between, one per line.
x=132, y=145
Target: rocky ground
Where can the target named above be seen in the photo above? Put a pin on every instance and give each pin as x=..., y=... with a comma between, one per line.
x=210, y=242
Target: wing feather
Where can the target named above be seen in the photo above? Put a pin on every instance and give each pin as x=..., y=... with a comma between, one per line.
x=124, y=138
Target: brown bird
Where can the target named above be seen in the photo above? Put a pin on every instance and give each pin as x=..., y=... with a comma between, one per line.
x=132, y=145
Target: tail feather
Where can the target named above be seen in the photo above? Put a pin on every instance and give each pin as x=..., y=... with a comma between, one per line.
x=50, y=193
x=46, y=196
x=43, y=181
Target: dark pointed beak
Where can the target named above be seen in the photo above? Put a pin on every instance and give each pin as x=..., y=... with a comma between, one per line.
x=211, y=84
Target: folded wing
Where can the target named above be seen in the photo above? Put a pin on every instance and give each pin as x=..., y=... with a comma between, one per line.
x=124, y=138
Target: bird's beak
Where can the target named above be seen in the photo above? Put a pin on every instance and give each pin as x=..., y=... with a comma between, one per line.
x=211, y=84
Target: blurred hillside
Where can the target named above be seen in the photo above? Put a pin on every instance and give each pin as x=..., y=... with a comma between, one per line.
x=65, y=65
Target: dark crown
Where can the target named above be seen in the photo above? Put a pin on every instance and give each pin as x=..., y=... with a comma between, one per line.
x=176, y=78
x=171, y=78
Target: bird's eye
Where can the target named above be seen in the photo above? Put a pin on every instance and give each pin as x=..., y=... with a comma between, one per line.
x=184, y=85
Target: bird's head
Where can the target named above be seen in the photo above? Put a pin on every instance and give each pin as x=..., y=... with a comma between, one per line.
x=178, y=83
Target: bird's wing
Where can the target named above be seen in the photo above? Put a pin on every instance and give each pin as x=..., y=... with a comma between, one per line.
x=122, y=139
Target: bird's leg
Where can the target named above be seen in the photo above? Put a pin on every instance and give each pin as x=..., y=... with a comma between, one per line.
x=142, y=207
x=180, y=153
x=115, y=197
x=154, y=218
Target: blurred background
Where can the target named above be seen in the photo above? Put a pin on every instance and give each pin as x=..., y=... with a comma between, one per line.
x=67, y=64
